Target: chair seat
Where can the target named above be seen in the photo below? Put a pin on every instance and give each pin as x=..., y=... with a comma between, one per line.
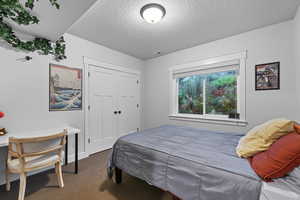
x=33, y=163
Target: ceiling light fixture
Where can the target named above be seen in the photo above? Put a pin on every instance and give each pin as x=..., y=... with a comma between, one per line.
x=153, y=13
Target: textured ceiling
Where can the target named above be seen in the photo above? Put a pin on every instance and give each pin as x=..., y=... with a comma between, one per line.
x=118, y=25
x=53, y=22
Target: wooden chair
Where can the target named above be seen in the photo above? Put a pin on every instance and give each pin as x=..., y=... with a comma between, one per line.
x=30, y=154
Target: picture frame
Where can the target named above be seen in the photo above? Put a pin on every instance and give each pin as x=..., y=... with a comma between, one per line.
x=267, y=76
x=65, y=88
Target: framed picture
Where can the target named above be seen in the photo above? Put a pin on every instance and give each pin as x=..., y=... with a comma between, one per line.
x=267, y=76
x=65, y=88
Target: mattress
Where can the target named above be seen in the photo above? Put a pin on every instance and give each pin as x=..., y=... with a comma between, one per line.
x=280, y=190
x=193, y=164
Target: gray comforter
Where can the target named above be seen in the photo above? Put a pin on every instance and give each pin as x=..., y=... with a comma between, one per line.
x=193, y=164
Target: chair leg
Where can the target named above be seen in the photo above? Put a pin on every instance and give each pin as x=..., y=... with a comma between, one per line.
x=7, y=180
x=22, y=186
x=58, y=172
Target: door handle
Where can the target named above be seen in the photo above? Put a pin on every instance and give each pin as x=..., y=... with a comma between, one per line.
x=120, y=112
x=116, y=112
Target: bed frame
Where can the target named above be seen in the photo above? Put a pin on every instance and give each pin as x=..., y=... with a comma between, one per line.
x=118, y=179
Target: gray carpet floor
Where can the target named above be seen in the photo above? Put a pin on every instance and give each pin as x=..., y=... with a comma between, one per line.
x=90, y=184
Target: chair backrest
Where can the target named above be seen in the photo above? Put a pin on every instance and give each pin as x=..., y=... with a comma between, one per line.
x=36, y=146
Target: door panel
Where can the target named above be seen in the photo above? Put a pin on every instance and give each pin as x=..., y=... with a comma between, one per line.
x=128, y=101
x=110, y=91
x=103, y=103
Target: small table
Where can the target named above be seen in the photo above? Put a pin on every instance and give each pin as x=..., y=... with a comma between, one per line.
x=41, y=133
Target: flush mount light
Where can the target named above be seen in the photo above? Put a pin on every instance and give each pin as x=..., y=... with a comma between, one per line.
x=153, y=12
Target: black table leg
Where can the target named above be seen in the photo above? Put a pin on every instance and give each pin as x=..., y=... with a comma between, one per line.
x=76, y=153
x=66, y=150
x=118, y=175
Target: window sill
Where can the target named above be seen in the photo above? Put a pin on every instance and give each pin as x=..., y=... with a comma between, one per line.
x=193, y=118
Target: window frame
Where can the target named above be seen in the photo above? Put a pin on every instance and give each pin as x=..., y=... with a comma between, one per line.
x=205, y=65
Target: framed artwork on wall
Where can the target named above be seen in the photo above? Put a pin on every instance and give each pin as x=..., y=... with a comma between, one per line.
x=65, y=88
x=267, y=76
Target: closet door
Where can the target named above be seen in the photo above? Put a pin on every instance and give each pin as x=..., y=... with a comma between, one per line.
x=103, y=100
x=128, y=100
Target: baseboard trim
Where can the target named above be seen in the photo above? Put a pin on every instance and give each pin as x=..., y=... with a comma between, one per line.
x=82, y=155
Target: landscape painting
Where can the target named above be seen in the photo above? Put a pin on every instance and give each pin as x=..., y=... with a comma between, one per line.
x=267, y=76
x=65, y=88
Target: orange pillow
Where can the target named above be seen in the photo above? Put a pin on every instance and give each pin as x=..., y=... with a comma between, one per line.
x=280, y=159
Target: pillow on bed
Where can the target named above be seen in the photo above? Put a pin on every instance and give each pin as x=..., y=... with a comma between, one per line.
x=297, y=127
x=261, y=137
x=279, y=160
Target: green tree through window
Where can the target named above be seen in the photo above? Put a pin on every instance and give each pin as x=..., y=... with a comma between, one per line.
x=220, y=93
x=190, y=96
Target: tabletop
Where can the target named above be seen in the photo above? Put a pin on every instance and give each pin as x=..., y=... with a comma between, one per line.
x=39, y=133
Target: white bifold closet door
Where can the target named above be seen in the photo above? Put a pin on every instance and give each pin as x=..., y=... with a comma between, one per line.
x=113, y=106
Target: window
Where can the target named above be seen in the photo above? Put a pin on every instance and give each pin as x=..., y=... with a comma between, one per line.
x=214, y=93
x=210, y=89
x=190, y=94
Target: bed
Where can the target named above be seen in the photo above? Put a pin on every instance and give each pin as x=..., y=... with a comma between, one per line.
x=281, y=189
x=190, y=163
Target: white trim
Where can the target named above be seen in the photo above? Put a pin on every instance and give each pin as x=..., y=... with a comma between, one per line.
x=96, y=63
x=204, y=65
x=90, y=62
x=82, y=155
x=204, y=97
x=85, y=104
x=209, y=63
x=207, y=69
x=206, y=119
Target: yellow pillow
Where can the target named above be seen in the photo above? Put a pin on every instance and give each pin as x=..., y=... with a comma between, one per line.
x=261, y=137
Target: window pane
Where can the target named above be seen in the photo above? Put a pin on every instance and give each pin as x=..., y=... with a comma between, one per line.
x=221, y=93
x=190, y=94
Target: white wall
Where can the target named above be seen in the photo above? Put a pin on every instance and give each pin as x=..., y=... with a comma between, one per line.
x=273, y=43
x=24, y=87
x=297, y=56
